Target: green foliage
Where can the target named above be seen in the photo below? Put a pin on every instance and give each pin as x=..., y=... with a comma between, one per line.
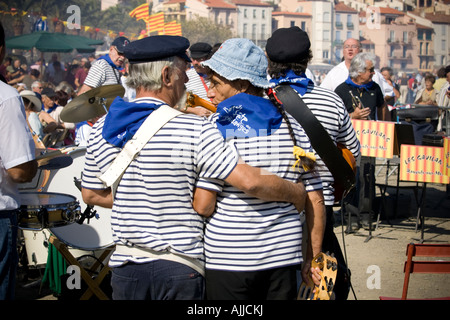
x=205, y=30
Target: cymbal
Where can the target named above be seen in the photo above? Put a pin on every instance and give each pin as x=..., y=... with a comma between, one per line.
x=91, y=104
x=53, y=160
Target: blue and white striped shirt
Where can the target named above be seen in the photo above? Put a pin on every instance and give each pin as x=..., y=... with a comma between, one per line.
x=248, y=234
x=153, y=203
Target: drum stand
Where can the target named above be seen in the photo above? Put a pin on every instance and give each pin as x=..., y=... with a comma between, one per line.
x=93, y=285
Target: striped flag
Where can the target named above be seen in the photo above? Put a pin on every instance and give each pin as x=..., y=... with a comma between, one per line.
x=155, y=22
x=140, y=12
x=172, y=29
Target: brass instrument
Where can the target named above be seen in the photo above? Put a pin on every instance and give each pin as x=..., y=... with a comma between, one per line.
x=356, y=102
x=194, y=100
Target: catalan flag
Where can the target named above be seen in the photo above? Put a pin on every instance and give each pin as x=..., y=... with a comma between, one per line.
x=172, y=29
x=140, y=12
x=155, y=22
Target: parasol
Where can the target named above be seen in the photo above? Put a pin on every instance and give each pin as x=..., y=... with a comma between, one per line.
x=52, y=42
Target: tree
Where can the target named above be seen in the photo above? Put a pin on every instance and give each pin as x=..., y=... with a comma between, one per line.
x=204, y=30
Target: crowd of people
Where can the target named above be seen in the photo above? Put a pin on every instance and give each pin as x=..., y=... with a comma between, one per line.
x=232, y=204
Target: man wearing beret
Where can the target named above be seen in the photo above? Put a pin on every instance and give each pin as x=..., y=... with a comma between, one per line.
x=288, y=50
x=107, y=69
x=158, y=235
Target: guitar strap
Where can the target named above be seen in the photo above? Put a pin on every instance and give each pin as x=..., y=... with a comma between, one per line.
x=155, y=121
x=319, y=137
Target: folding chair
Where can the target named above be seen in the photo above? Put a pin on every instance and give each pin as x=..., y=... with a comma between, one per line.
x=93, y=284
x=424, y=266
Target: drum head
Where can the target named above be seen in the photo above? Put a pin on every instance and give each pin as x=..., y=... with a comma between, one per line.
x=93, y=234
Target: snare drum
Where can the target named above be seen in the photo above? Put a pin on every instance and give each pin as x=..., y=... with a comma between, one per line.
x=92, y=234
x=41, y=210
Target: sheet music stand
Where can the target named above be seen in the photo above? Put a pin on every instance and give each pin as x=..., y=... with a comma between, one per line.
x=404, y=134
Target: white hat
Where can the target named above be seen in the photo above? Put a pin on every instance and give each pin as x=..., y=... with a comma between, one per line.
x=31, y=95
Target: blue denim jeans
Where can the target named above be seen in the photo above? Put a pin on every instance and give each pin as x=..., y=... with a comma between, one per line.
x=8, y=254
x=157, y=280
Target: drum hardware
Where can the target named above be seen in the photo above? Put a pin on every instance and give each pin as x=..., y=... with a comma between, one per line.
x=91, y=104
x=88, y=214
x=96, y=235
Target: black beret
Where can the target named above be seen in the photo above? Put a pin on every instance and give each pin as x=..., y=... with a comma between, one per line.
x=288, y=45
x=200, y=50
x=156, y=48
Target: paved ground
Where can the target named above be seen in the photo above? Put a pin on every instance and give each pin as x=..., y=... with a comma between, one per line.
x=376, y=260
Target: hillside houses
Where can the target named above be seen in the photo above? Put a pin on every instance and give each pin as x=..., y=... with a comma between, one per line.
x=408, y=35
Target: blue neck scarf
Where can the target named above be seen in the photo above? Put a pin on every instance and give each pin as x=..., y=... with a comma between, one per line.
x=365, y=86
x=108, y=59
x=298, y=82
x=246, y=116
x=51, y=109
x=125, y=118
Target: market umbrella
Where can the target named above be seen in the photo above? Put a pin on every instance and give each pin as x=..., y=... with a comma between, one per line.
x=52, y=42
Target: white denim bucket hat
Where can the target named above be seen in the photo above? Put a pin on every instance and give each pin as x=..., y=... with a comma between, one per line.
x=240, y=58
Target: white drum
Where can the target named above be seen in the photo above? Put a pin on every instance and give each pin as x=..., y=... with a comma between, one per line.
x=36, y=246
x=92, y=234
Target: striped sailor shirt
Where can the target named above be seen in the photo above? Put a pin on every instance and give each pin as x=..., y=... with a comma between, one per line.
x=249, y=234
x=101, y=73
x=197, y=84
x=153, y=203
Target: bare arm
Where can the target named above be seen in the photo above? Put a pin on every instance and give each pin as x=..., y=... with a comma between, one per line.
x=315, y=222
x=24, y=172
x=102, y=198
x=204, y=202
x=84, y=88
x=267, y=186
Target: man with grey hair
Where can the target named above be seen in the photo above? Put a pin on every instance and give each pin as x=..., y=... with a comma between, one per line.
x=364, y=100
x=360, y=86
x=37, y=87
x=158, y=234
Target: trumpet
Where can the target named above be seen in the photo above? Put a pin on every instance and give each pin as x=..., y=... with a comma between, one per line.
x=194, y=100
x=356, y=102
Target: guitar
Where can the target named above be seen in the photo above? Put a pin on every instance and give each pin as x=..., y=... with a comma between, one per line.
x=339, y=189
x=194, y=100
x=328, y=271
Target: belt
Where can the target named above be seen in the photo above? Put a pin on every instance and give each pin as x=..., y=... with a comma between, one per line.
x=195, y=264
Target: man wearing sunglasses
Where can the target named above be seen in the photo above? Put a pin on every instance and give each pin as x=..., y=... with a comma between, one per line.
x=361, y=95
x=364, y=100
x=107, y=69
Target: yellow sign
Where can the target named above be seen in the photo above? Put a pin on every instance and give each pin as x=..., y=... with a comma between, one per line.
x=422, y=164
x=447, y=156
x=376, y=137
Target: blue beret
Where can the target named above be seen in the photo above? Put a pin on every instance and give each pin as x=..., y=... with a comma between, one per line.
x=156, y=48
